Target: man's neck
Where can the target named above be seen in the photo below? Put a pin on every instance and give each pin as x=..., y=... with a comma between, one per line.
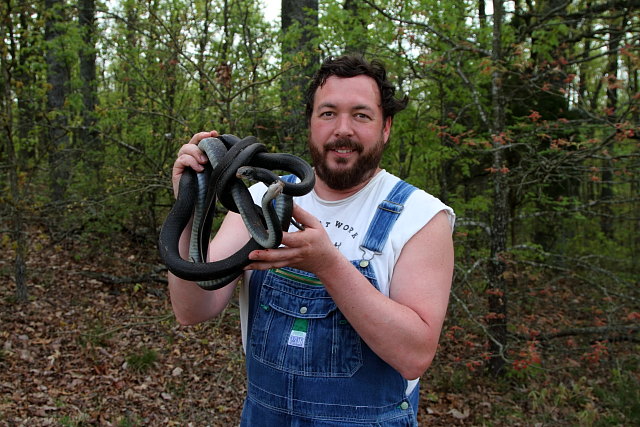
x=325, y=192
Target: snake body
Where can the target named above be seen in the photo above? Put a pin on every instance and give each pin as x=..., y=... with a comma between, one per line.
x=230, y=160
x=268, y=237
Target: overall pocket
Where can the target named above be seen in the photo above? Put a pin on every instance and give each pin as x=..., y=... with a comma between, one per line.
x=297, y=328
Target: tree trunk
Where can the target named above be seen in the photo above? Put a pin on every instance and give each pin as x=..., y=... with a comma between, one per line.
x=131, y=13
x=606, y=189
x=15, y=196
x=583, y=68
x=28, y=107
x=203, y=46
x=87, y=19
x=299, y=24
x=497, y=289
x=57, y=137
x=89, y=135
x=482, y=13
x=356, y=44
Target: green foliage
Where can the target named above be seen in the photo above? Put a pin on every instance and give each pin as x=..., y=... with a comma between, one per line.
x=96, y=336
x=577, y=394
x=622, y=397
x=129, y=420
x=142, y=360
x=78, y=421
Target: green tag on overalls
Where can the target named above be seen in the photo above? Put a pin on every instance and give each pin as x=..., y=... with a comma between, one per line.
x=298, y=333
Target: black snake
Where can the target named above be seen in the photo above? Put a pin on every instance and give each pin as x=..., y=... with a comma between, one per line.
x=230, y=160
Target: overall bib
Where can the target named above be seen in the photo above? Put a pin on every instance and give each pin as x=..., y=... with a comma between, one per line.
x=306, y=365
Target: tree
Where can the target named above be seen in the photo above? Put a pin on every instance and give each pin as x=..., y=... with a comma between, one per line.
x=356, y=27
x=496, y=286
x=89, y=135
x=299, y=59
x=56, y=136
x=14, y=197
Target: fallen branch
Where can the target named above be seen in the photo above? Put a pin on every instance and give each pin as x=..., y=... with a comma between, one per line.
x=593, y=330
x=111, y=279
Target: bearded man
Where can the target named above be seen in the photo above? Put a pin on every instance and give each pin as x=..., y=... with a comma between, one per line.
x=340, y=322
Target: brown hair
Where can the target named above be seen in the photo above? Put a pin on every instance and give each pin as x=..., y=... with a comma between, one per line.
x=352, y=66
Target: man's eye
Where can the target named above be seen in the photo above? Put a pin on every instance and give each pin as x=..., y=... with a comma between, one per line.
x=326, y=114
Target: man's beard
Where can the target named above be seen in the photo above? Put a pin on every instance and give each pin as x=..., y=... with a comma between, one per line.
x=345, y=178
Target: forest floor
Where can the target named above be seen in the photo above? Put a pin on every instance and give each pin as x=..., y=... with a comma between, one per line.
x=97, y=344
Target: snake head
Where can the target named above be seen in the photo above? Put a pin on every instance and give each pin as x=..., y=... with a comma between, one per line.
x=246, y=172
x=254, y=173
x=274, y=190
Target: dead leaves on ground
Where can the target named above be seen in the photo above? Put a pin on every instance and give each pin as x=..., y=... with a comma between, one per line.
x=65, y=356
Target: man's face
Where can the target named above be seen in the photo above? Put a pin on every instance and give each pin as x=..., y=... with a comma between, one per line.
x=347, y=133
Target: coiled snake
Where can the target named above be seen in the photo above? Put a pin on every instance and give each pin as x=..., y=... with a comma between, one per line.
x=230, y=160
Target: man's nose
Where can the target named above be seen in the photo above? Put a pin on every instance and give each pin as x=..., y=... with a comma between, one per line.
x=343, y=125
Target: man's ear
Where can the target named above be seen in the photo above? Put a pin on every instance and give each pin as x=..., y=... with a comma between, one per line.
x=386, y=130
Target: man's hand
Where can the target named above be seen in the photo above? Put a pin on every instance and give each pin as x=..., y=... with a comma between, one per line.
x=190, y=155
x=309, y=250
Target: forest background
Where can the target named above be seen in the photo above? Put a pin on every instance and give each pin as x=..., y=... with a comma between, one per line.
x=523, y=117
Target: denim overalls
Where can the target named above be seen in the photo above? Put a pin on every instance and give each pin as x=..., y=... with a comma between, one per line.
x=306, y=365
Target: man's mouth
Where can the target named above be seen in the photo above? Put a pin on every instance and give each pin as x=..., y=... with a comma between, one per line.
x=344, y=146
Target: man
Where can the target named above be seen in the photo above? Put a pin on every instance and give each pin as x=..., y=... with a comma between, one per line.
x=341, y=320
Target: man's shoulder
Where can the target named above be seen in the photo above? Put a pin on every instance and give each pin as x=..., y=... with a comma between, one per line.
x=417, y=194
x=420, y=202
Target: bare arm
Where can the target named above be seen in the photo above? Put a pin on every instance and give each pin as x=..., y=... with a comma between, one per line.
x=192, y=304
x=404, y=329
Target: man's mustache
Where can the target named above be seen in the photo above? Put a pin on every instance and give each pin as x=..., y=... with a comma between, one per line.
x=344, y=143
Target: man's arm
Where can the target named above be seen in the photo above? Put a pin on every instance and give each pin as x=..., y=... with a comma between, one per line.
x=192, y=304
x=404, y=329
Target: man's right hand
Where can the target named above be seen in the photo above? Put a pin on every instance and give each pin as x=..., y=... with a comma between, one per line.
x=190, y=155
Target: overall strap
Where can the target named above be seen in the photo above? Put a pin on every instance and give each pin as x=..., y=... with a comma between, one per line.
x=383, y=220
x=291, y=178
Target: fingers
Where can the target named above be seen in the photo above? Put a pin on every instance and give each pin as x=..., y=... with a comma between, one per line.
x=189, y=155
x=265, y=259
x=304, y=217
x=196, y=138
x=302, y=249
x=194, y=160
x=296, y=245
x=191, y=148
